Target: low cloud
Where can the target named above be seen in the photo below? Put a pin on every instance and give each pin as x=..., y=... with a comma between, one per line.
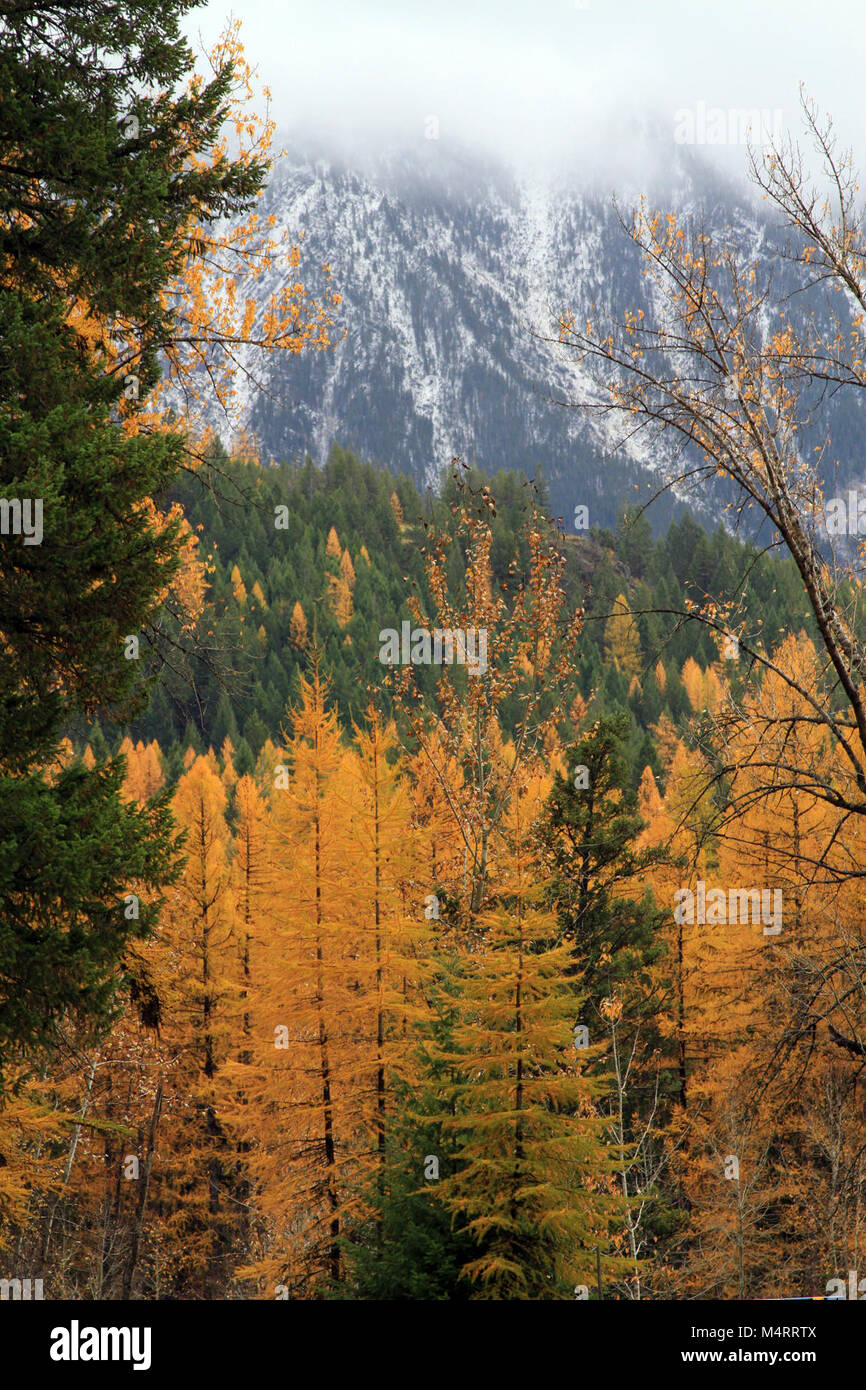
x=549, y=85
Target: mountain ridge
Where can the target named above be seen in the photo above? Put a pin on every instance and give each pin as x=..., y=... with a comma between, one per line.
x=453, y=270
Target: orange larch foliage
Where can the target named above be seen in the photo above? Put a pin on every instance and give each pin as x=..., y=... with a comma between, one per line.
x=304, y=1049
x=347, y=569
x=340, y=599
x=298, y=627
x=200, y=949
x=621, y=638
x=693, y=682
x=238, y=587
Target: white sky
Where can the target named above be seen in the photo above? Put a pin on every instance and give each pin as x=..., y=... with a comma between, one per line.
x=546, y=80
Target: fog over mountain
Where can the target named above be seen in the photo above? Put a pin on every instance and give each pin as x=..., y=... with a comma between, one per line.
x=455, y=165
x=453, y=268
x=551, y=84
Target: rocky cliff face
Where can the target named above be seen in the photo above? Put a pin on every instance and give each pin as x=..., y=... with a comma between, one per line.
x=452, y=272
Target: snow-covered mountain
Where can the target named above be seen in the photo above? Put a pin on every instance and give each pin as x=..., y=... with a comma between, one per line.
x=452, y=272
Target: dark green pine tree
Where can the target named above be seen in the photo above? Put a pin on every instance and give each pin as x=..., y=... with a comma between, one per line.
x=410, y=1248
x=224, y=724
x=634, y=540
x=589, y=831
x=614, y=928
x=94, y=210
x=255, y=733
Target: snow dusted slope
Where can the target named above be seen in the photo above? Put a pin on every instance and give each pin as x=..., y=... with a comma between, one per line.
x=449, y=269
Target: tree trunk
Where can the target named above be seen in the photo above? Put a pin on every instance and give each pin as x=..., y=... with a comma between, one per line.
x=144, y=1185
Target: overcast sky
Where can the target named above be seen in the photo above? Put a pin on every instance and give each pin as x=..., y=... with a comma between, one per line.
x=547, y=80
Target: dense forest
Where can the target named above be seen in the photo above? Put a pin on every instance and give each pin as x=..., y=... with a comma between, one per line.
x=333, y=970
x=345, y=563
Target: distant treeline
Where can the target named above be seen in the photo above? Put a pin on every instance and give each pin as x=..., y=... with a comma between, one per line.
x=298, y=551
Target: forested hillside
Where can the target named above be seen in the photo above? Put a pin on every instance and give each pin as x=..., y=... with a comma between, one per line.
x=308, y=1087
x=344, y=563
